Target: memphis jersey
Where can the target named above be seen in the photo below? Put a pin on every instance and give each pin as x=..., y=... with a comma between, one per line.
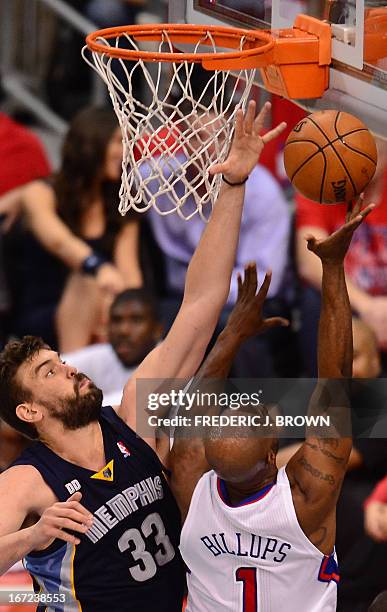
x=253, y=557
x=129, y=559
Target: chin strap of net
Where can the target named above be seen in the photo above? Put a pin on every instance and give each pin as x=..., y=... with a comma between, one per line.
x=170, y=144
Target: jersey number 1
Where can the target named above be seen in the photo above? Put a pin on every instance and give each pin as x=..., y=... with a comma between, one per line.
x=248, y=576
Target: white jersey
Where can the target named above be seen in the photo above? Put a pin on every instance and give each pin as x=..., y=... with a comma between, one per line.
x=253, y=557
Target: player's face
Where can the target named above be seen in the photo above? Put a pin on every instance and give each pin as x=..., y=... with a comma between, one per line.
x=59, y=391
x=133, y=332
x=113, y=159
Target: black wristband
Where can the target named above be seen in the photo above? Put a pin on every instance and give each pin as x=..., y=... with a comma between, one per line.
x=234, y=184
x=92, y=263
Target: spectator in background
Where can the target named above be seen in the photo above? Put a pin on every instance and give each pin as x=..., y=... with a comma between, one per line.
x=375, y=512
x=133, y=331
x=71, y=223
x=23, y=160
x=366, y=263
x=361, y=560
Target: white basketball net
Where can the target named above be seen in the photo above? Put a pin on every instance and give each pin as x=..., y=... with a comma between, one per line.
x=169, y=146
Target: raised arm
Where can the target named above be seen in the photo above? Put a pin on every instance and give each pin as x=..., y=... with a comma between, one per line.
x=209, y=273
x=187, y=459
x=317, y=469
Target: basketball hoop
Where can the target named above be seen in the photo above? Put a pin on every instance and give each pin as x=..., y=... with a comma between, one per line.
x=170, y=144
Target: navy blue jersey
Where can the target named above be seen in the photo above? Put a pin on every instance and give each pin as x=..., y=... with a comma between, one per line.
x=129, y=559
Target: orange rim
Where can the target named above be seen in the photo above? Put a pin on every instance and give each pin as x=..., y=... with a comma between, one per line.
x=256, y=42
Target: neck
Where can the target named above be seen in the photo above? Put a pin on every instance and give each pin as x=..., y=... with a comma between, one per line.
x=83, y=447
x=237, y=492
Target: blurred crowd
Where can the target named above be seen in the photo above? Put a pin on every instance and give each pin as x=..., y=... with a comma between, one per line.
x=103, y=289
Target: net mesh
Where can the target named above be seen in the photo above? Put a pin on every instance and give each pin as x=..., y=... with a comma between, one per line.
x=170, y=142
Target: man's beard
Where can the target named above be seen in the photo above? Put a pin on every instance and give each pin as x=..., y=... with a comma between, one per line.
x=79, y=411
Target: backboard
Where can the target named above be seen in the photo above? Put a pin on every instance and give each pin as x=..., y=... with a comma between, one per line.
x=358, y=74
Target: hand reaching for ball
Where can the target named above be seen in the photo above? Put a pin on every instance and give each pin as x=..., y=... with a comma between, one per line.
x=333, y=249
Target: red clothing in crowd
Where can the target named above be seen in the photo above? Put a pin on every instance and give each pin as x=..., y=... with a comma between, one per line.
x=22, y=156
x=379, y=494
x=366, y=262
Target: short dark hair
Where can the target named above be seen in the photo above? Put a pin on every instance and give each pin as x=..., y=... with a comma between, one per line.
x=13, y=393
x=137, y=295
x=380, y=603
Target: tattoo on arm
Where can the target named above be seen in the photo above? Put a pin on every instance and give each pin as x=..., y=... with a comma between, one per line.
x=316, y=473
x=321, y=446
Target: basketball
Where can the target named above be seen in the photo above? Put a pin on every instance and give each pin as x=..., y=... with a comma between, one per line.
x=330, y=157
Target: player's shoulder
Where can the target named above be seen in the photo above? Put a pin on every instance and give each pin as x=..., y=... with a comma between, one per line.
x=26, y=485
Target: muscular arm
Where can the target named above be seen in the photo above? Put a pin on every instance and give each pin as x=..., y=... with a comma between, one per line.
x=15, y=498
x=317, y=469
x=25, y=498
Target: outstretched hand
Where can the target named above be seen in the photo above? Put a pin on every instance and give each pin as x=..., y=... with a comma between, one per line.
x=246, y=318
x=334, y=248
x=247, y=144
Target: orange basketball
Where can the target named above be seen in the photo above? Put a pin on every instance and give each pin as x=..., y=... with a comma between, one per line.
x=330, y=157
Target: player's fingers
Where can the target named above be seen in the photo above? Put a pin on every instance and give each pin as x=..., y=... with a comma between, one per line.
x=217, y=169
x=239, y=123
x=74, y=497
x=348, y=214
x=310, y=242
x=240, y=286
x=76, y=516
x=354, y=223
x=64, y=523
x=356, y=208
x=251, y=278
x=274, y=133
x=259, y=121
x=276, y=322
x=262, y=293
x=367, y=210
x=66, y=537
x=249, y=117
x=77, y=507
